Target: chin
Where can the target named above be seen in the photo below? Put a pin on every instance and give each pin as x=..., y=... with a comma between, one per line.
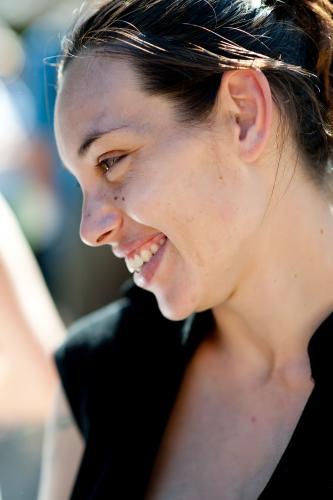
x=175, y=310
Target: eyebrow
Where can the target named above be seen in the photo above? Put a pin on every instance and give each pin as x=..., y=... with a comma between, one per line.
x=92, y=137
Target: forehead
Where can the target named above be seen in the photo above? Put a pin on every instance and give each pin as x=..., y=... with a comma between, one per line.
x=87, y=76
x=100, y=93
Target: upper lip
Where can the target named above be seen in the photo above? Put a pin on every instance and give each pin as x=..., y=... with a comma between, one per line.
x=128, y=249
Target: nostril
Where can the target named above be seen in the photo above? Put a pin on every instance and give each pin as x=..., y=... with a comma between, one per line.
x=103, y=236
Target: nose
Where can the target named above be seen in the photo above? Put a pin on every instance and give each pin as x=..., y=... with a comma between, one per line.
x=99, y=225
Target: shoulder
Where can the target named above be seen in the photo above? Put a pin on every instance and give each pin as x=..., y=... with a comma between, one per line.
x=102, y=333
x=110, y=349
x=114, y=323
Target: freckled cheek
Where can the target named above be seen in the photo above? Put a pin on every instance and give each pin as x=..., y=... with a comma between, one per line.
x=146, y=198
x=139, y=203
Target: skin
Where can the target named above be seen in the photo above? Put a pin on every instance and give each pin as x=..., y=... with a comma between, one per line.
x=262, y=262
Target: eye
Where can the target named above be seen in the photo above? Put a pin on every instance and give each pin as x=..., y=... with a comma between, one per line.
x=108, y=163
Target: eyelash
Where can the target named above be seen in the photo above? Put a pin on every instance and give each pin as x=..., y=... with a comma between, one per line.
x=103, y=164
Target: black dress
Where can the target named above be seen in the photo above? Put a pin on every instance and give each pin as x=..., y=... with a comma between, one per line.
x=121, y=368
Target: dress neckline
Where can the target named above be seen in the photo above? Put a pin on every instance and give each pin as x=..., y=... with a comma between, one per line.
x=198, y=325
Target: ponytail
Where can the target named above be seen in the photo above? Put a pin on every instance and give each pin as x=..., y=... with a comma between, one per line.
x=315, y=19
x=323, y=10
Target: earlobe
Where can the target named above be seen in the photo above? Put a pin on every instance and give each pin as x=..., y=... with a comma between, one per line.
x=249, y=95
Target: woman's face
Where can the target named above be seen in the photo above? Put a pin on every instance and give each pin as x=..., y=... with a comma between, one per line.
x=148, y=179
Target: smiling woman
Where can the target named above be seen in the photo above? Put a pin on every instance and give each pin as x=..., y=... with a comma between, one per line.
x=201, y=135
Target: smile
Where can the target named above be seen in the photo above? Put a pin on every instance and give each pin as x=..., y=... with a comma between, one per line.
x=143, y=256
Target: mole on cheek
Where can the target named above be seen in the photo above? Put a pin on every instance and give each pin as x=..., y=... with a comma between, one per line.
x=123, y=198
x=115, y=198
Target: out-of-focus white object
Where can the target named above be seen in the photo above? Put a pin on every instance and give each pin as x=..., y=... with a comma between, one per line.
x=18, y=13
x=12, y=131
x=12, y=54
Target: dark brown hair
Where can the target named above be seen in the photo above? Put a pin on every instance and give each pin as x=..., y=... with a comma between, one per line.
x=181, y=48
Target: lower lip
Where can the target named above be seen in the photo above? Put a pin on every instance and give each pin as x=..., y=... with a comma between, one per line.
x=148, y=270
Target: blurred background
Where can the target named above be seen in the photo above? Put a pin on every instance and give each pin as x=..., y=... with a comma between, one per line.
x=45, y=199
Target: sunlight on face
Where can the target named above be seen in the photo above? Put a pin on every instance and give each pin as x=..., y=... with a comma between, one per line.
x=144, y=175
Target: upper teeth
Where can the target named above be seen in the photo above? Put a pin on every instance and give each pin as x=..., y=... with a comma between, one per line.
x=135, y=263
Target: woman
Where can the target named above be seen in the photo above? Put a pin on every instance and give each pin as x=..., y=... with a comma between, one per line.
x=201, y=135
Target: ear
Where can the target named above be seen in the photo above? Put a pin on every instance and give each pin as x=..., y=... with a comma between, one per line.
x=246, y=96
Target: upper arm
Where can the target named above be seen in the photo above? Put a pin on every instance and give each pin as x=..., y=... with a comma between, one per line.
x=62, y=452
x=25, y=293
x=30, y=329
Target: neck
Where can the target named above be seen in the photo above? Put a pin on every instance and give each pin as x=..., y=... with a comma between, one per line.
x=287, y=291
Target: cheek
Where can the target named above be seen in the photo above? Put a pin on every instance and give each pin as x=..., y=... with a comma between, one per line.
x=225, y=228
x=154, y=194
